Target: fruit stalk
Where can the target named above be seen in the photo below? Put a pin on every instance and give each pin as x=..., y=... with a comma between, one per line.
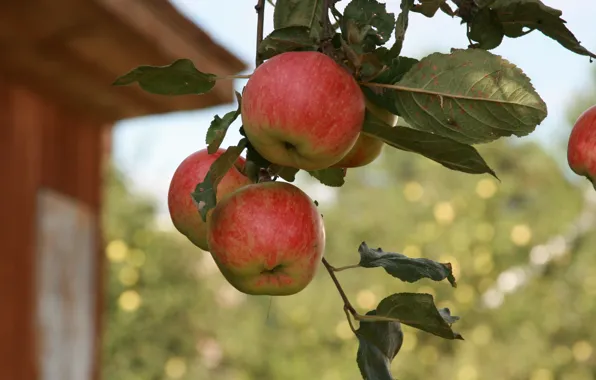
x=347, y=305
x=260, y=8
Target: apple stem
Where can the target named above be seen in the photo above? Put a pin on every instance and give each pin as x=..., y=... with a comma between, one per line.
x=347, y=305
x=260, y=8
x=349, y=317
x=346, y=267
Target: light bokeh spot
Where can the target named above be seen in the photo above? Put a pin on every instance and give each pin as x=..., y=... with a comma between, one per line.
x=521, y=235
x=444, y=213
x=175, y=368
x=413, y=191
x=116, y=251
x=467, y=372
x=343, y=331
x=542, y=374
x=486, y=188
x=366, y=299
x=582, y=351
x=129, y=300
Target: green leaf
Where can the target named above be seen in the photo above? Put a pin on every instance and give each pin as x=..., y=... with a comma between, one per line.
x=291, y=38
x=179, y=78
x=367, y=22
x=205, y=194
x=515, y=15
x=428, y=7
x=401, y=26
x=447, y=152
x=333, y=177
x=486, y=29
x=395, y=69
x=418, y=310
x=379, y=343
x=306, y=13
x=405, y=268
x=219, y=127
x=471, y=96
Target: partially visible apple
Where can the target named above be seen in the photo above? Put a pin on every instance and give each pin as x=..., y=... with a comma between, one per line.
x=581, y=149
x=267, y=238
x=302, y=110
x=367, y=148
x=192, y=171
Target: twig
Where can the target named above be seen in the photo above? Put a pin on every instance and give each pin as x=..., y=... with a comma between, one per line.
x=325, y=20
x=346, y=267
x=260, y=8
x=347, y=305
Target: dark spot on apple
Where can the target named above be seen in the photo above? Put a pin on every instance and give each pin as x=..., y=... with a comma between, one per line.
x=289, y=146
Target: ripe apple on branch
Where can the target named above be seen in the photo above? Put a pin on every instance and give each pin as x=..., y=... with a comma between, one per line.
x=327, y=96
x=581, y=149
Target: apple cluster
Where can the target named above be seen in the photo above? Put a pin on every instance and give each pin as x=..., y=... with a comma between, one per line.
x=300, y=110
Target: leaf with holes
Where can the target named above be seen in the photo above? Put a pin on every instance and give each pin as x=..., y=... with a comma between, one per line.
x=291, y=38
x=179, y=78
x=428, y=7
x=306, y=13
x=333, y=177
x=367, y=23
x=418, y=310
x=405, y=268
x=219, y=127
x=205, y=194
x=447, y=152
x=471, y=96
x=378, y=344
x=518, y=15
x=401, y=26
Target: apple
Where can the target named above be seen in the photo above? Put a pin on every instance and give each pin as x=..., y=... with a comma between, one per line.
x=581, y=149
x=192, y=171
x=267, y=238
x=367, y=148
x=302, y=110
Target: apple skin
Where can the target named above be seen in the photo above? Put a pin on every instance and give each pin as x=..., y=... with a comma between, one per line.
x=302, y=110
x=367, y=148
x=267, y=239
x=581, y=149
x=192, y=171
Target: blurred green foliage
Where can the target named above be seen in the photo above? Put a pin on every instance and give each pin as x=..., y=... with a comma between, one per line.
x=171, y=315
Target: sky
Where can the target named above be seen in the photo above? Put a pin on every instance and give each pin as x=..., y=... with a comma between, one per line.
x=149, y=149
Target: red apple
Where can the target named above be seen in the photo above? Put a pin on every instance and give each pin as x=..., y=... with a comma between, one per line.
x=367, y=148
x=183, y=211
x=267, y=238
x=302, y=110
x=581, y=150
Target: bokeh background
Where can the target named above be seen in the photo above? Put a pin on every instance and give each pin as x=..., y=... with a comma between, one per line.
x=523, y=249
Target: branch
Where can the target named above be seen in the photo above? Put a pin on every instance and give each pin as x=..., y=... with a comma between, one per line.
x=260, y=8
x=325, y=20
x=347, y=305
